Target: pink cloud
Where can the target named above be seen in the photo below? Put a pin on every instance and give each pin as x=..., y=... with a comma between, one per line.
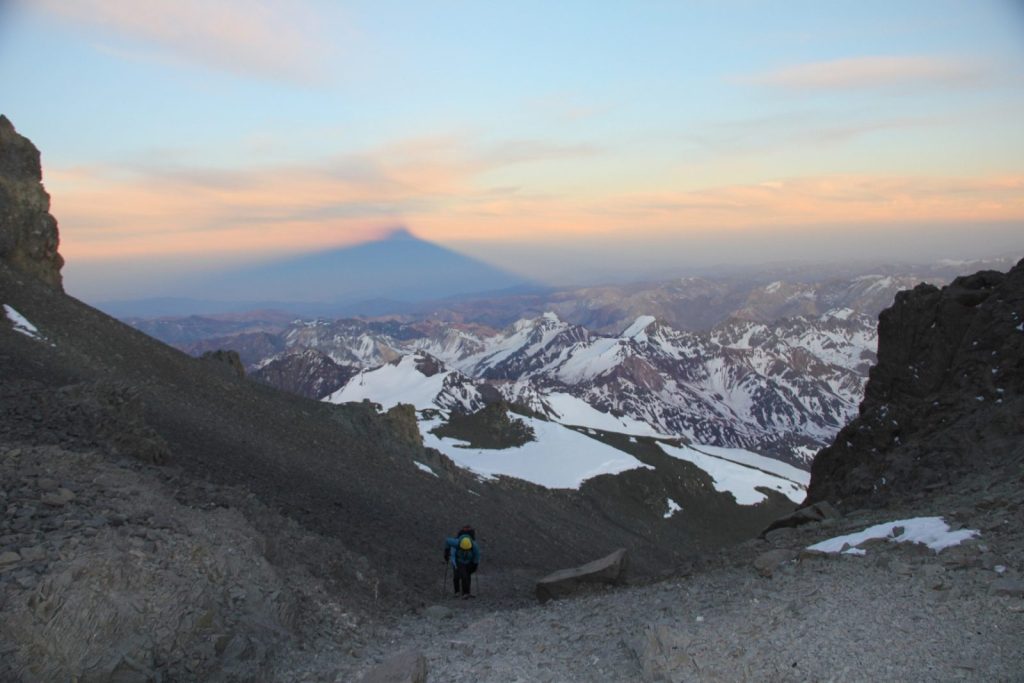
x=871, y=72
x=444, y=189
x=267, y=38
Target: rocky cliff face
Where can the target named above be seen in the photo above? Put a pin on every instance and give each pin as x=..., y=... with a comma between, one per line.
x=944, y=404
x=28, y=233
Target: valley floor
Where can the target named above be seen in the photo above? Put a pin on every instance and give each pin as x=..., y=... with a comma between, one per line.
x=902, y=612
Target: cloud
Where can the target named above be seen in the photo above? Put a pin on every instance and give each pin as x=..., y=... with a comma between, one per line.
x=803, y=128
x=272, y=39
x=822, y=201
x=861, y=73
x=445, y=189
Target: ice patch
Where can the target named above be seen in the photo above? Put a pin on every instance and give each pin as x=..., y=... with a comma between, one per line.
x=425, y=468
x=930, y=531
x=673, y=508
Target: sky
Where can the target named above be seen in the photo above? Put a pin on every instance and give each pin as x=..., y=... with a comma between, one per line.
x=566, y=142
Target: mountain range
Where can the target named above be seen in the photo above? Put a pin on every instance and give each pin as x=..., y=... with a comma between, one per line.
x=781, y=388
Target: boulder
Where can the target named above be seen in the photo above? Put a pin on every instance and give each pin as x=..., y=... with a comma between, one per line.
x=405, y=667
x=767, y=563
x=1012, y=587
x=9, y=557
x=818, y=512
x=226, y=361
x=609, y=570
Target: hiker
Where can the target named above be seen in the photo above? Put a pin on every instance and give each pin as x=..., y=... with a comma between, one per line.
x=463, y=553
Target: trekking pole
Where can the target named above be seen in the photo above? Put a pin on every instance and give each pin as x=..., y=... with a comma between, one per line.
x=444, y=582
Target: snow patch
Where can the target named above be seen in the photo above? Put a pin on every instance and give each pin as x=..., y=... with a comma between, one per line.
x=403, y=382
x=569, y=410
x=730, y=475
x=21, y=324
x=840, y=313
x=673, y=508
x=930, y=531
x=636, y=329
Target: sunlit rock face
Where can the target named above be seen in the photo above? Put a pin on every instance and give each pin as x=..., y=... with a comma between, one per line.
x=28, y=233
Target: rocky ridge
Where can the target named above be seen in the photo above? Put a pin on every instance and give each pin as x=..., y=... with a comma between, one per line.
x=946, y=397
x=28, y=233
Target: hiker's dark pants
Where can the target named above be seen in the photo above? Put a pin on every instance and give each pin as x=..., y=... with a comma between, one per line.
x=463, y=574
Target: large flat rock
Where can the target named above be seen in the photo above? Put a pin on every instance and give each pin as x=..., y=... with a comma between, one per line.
x=405, y=667
x=609, y=570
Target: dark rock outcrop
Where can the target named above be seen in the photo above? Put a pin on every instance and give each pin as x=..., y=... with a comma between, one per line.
x=944, y=402
x=402, y=420
x=227, y=361
x=818, y=512
x=28, y=233
x=310, y=373
x=491, y=427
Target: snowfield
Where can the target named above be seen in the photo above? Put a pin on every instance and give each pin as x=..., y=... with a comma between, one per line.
x=390, y=385
x=741, y=480
x=570, y=410
x=559, y=458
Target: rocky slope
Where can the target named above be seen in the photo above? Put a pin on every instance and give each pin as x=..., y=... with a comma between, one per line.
x=768, y=610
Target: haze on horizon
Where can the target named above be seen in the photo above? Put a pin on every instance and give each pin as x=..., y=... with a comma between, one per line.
x=562, y=143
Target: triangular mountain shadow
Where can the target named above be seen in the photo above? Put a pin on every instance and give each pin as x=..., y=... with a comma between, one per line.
x=400, y=267
x=391, y=272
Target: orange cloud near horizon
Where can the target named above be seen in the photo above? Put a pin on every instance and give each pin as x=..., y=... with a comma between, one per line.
x=106, y=215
